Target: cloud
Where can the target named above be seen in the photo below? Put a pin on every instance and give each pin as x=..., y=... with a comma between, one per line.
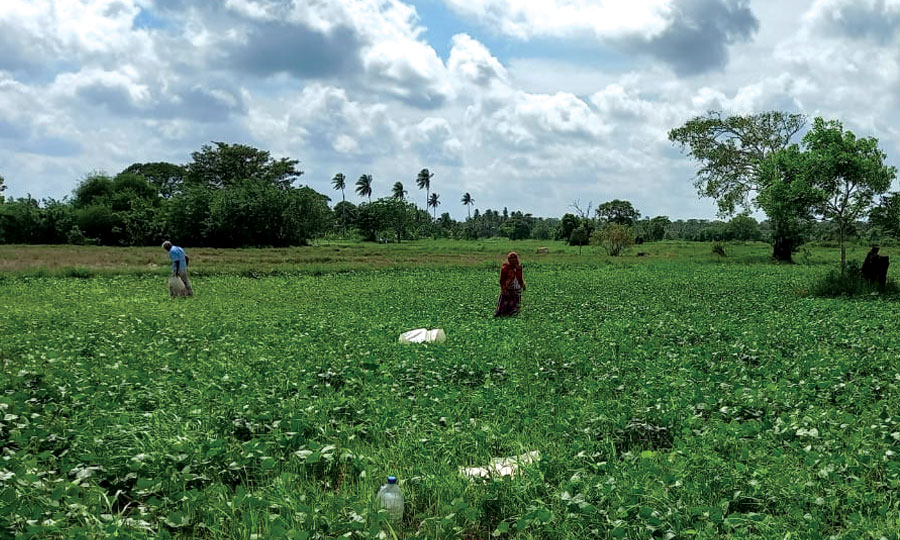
x=277, y=47
x=434, y=141
x=45, y=35
x=877, y=20
x=372, y=44
x=325, y=119
x=698, y=34
x=470, y=62
x=691, y=36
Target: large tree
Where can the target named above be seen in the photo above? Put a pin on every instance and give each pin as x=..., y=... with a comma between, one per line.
x=850, y=171
x=2, y=188
x=385, y=216
x=731, y=152
x=167, y=177
x=618, y=211
x=225, y=165
x=788, y=197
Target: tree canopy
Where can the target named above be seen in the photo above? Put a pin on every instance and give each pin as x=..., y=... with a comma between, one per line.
x=618, y=211
x=731, y=150
x=849, y=171
x=224, y=165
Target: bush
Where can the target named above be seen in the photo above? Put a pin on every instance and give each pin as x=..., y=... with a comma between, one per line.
x=718, y=248
x=851, y=283
x=580, y=236
x=614, y=238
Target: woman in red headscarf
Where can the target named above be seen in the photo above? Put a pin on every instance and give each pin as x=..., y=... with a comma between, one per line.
x=512, y=283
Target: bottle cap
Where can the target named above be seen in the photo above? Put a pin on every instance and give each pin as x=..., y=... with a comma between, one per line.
x=392, y=479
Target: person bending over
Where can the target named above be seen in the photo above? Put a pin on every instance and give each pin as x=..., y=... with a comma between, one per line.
x=179, y=265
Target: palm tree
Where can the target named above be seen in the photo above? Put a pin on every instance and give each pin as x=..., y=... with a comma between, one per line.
x=364, y=186
x=468, y=201
x=424, y=181
x=434, y=203
x=398, y=192
x=340, y=182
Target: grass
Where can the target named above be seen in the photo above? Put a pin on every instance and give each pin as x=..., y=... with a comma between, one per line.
x=679, y=395
x=330, y=256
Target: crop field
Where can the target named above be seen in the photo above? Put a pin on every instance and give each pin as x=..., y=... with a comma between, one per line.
x=667, y=398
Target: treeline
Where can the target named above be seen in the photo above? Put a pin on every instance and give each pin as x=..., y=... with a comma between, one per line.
x=233, y=195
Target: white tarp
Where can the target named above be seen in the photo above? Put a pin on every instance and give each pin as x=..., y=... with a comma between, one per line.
x=505, y=466
x=423, y=335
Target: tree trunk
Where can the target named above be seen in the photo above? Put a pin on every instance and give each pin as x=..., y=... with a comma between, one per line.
x=782, y=249
x=843, y=251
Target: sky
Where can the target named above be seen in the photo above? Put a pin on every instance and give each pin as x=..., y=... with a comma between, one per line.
x=525, y=104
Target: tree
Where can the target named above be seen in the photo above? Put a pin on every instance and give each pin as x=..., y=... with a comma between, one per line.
x=468, y=201
x=386, y=215
x=743, y=228
x=580, y=236
x=886, y=216
x=398, y=192
x=168, y=178
x=257, y=213
x=618, y=211
x=614, y=237
x=228, y=164
x=656, y=228
x=2, y=188
x=850, y=171
x=345, y=212
x=121, y=210
x=731, y=152
x=434, y=202
x=517, y=228
x=423, y=181
x=567, y=224
x=339, y=182
x=364, y=186
x=788, y=198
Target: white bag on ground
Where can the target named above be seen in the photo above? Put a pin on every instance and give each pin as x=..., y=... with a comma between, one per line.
x=423, y=335
x=507, y=466
x=176, y=286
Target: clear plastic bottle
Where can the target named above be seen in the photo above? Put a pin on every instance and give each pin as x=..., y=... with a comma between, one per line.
x=391, y=499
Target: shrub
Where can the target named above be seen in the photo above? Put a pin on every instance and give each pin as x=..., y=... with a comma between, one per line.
x=851, y=283
x=614, y=238
x=718, y=248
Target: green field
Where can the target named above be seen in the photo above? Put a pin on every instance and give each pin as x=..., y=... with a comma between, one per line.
x=677, y=395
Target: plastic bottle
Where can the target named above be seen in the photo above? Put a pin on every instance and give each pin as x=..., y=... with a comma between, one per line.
x=391, y=499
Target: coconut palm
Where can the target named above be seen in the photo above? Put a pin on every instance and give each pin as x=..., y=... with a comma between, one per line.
x=364, y=186
x=339, y=182
x=468, y=201
x=424, y=182
x=398, y=192
x=434, y=203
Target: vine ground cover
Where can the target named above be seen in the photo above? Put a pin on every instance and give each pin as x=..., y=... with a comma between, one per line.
x=667, y=400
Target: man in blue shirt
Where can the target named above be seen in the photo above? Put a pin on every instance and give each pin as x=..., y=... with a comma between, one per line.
x=179, y=265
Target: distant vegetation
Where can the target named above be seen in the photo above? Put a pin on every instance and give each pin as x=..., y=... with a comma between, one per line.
x=832, y=186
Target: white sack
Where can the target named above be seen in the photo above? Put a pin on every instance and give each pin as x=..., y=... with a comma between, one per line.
x=506, y=466
x=176, y=286
x=423, y=335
